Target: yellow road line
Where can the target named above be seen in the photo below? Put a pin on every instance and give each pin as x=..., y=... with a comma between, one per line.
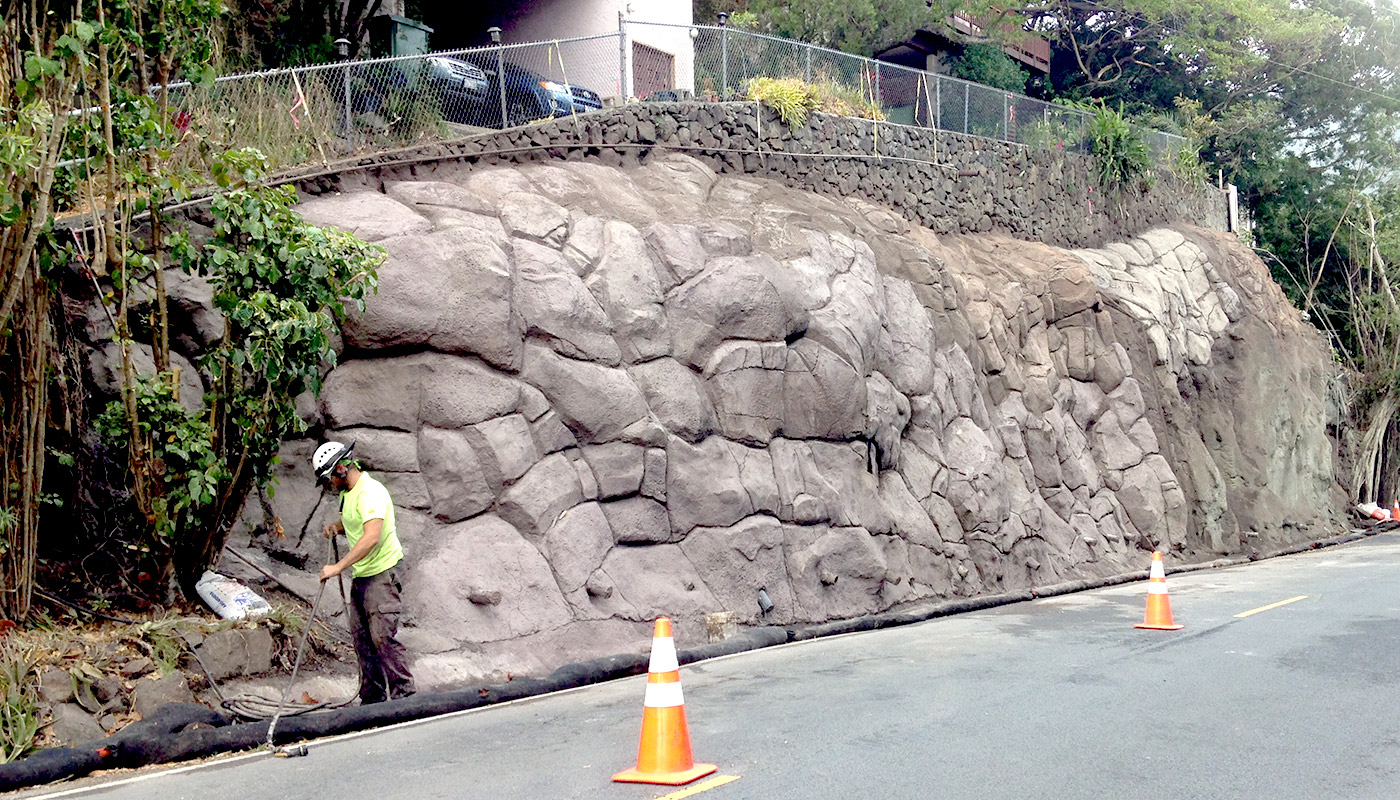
x=1272, y=605
x=718, y=780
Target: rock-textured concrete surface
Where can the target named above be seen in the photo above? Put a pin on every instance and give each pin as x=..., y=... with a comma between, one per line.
x=603, y=395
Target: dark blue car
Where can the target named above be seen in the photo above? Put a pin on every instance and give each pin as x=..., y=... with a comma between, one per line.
x=528, y=96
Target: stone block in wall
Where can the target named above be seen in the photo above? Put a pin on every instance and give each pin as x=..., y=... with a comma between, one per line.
x=833, y=570
x=628, y=287
x=533, y=504
x=446, y=290
x=617, y=467
x=745, y=381
x=639, y=520
x=458, y=484
x=480, y=558
x=534, y=217
x=659, y=580
x=371, y=216
x=576, y=544
x=654, y=474
x=740, y=560
x=823, y=394
x=677, y=397
x=703, y=485
x=506, y=444
x=555, y=306
x=598, y=403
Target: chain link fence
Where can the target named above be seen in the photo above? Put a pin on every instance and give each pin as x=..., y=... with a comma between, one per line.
x=332, y=112
x=725, y=59
x=328, y=112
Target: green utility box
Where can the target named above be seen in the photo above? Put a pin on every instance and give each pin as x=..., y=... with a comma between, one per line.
x=391, y=35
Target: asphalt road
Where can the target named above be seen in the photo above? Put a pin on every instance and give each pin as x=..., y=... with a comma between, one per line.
x=1059, y=698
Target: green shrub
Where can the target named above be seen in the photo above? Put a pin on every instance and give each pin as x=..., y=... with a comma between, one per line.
x=790, y=97
x=794, y=100
x=1122, y=161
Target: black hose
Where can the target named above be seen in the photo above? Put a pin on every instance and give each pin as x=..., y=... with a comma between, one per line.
x=245, y=706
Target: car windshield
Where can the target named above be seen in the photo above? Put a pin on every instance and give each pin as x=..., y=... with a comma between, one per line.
x=487, y=62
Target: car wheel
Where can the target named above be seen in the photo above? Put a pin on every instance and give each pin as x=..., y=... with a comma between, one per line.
x=520, y=110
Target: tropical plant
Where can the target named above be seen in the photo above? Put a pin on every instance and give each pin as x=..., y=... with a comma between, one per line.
x=1122, y=161
x=19, y=707
x=790, y=97
x=846, y=101
x=44, y=53
x=794, y=99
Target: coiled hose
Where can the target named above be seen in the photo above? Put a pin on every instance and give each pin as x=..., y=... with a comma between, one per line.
x=252, y=707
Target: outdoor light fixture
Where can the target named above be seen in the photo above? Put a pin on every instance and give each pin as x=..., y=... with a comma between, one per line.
x=723, y=18
x=342, y=46
x=495, y=34
x=765, y=603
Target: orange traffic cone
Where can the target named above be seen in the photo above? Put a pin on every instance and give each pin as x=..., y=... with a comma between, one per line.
x=1395, y=512
x=664, y=753
x=1159, y=606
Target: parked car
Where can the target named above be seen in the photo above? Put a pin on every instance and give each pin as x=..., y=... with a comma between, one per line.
x=528, y=96
x=462, y=89
x=419, y=89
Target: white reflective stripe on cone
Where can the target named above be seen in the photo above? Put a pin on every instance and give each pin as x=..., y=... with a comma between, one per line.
x=664, y=695
x=1156, y=588
x=1157, y=571
x=663, y=655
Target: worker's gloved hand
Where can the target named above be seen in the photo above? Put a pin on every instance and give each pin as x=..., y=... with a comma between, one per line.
x=332, y=528
x=329, y=571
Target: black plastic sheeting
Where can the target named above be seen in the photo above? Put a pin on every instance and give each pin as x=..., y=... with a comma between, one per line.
x=182, y=731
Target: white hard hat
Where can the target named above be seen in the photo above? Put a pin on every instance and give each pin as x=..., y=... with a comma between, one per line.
x=327, y=456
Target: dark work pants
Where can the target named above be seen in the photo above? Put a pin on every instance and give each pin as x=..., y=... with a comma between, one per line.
x=374, y=624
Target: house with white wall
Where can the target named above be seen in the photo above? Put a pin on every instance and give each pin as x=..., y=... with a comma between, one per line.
x=655, y=54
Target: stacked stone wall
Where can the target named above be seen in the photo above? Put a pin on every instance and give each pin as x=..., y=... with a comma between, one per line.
x=947, y=182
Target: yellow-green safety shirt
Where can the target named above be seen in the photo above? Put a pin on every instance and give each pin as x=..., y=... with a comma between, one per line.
x=370, y=500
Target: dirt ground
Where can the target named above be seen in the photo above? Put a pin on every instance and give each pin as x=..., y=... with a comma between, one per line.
x=89, y=658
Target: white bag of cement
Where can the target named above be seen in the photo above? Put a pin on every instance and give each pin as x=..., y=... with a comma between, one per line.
x=229, y=598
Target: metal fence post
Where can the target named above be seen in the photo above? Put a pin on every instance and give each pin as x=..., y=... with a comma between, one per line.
x=622, y=83
x=495, y=34
x=724, y=63
x=343, y=47
x=877, y=98
x=938, y=101
x=808, y=50
x=1006, y=117
x=967, y=107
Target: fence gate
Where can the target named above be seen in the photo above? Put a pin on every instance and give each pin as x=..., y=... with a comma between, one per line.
x=652, y=70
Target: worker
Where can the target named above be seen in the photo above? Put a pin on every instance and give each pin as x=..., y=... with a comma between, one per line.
x=367, y=520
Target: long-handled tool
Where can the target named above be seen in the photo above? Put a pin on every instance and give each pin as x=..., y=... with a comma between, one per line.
x=340, y=576
x=299, y=750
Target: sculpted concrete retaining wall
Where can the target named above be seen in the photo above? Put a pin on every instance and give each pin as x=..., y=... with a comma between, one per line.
x=949, y=182
x=600, y=395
